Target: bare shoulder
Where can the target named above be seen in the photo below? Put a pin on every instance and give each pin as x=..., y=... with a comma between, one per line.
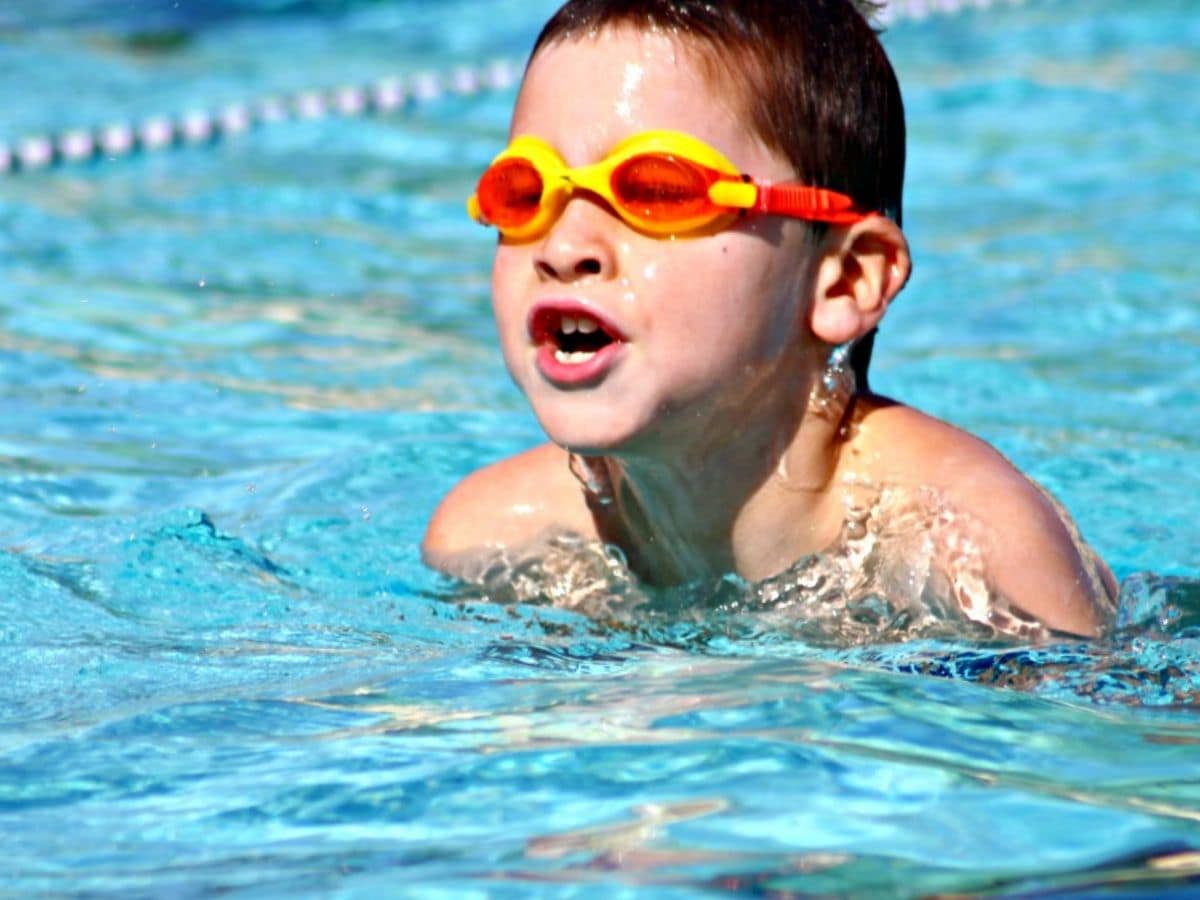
x=1034, y=554
x=898, y=443
x=507, y=504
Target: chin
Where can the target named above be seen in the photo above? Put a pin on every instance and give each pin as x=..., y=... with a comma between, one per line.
x=586, y=440
x=581, y=428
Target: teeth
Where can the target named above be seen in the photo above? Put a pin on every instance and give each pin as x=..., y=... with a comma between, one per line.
x=571, y=359
x=582, y=324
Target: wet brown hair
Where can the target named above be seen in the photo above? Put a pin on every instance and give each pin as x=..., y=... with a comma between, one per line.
x=811, y=77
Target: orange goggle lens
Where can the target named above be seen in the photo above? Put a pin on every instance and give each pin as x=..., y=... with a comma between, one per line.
x=662, y=189
x=653, y=189
x=510, y=193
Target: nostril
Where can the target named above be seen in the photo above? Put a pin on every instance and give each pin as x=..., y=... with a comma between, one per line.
x=589, y=266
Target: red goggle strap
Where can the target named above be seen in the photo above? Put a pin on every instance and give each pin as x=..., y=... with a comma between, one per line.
x=804, y=202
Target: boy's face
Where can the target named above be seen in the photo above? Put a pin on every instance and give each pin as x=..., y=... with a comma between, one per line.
x=711, y=329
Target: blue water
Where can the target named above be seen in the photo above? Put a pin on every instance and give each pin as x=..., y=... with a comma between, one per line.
x=234, y=381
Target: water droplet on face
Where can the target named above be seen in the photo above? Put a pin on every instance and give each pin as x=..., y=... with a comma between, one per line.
x=630, y=85
x=628, y=294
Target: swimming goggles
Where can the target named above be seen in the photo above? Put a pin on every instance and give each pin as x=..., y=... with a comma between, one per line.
x=660, y=182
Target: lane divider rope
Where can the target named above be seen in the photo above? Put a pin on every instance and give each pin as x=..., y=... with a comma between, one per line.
x=199, y=127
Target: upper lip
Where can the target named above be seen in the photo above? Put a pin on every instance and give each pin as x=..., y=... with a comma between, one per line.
x=546, y=317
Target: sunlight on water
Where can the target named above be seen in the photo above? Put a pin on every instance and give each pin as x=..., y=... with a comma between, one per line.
x=235, y=380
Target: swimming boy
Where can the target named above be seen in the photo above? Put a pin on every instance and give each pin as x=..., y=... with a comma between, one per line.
x=699, y=209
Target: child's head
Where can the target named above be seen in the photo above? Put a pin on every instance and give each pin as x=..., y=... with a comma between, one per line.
x=808, y=77
x=624, y=337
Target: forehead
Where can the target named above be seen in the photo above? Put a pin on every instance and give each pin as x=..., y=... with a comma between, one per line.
x=585, y=93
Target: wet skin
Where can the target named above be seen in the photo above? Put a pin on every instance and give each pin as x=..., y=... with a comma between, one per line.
x=692, y=405
x=709, y=324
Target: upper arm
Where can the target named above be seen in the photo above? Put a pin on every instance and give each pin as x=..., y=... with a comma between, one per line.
x=1030, y=552
x=505, y=505
x=1036, y=560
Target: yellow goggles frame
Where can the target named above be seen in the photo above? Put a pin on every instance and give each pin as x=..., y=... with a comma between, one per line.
x=730, y=192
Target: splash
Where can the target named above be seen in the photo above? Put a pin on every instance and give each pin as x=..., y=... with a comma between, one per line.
x=905, y=565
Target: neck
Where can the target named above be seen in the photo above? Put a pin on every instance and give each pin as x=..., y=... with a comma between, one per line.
x=751, y=506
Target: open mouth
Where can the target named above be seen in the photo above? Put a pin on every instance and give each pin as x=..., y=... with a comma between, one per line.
x=574, y=336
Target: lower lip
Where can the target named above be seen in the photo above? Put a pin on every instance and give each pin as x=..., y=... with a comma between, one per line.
x=578, y=374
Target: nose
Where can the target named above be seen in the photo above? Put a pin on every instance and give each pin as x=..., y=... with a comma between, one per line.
x=580, y=244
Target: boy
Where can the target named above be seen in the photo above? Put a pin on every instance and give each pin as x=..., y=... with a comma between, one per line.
x=677, y=326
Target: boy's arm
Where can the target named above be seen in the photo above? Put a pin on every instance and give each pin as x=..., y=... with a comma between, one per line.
x=1036, y=560
x=506, y=505
x=1031, y=553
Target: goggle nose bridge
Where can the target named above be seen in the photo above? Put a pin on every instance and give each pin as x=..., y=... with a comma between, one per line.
x=585, y=177
x=565, y=183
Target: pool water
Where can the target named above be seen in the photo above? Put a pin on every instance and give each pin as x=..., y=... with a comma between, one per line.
x=235, y=379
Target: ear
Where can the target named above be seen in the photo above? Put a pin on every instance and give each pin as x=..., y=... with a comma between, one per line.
x=860, y=269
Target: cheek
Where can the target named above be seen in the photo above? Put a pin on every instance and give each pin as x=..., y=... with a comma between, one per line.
x=509, y=309
x=506, y=295
x=731, y=290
